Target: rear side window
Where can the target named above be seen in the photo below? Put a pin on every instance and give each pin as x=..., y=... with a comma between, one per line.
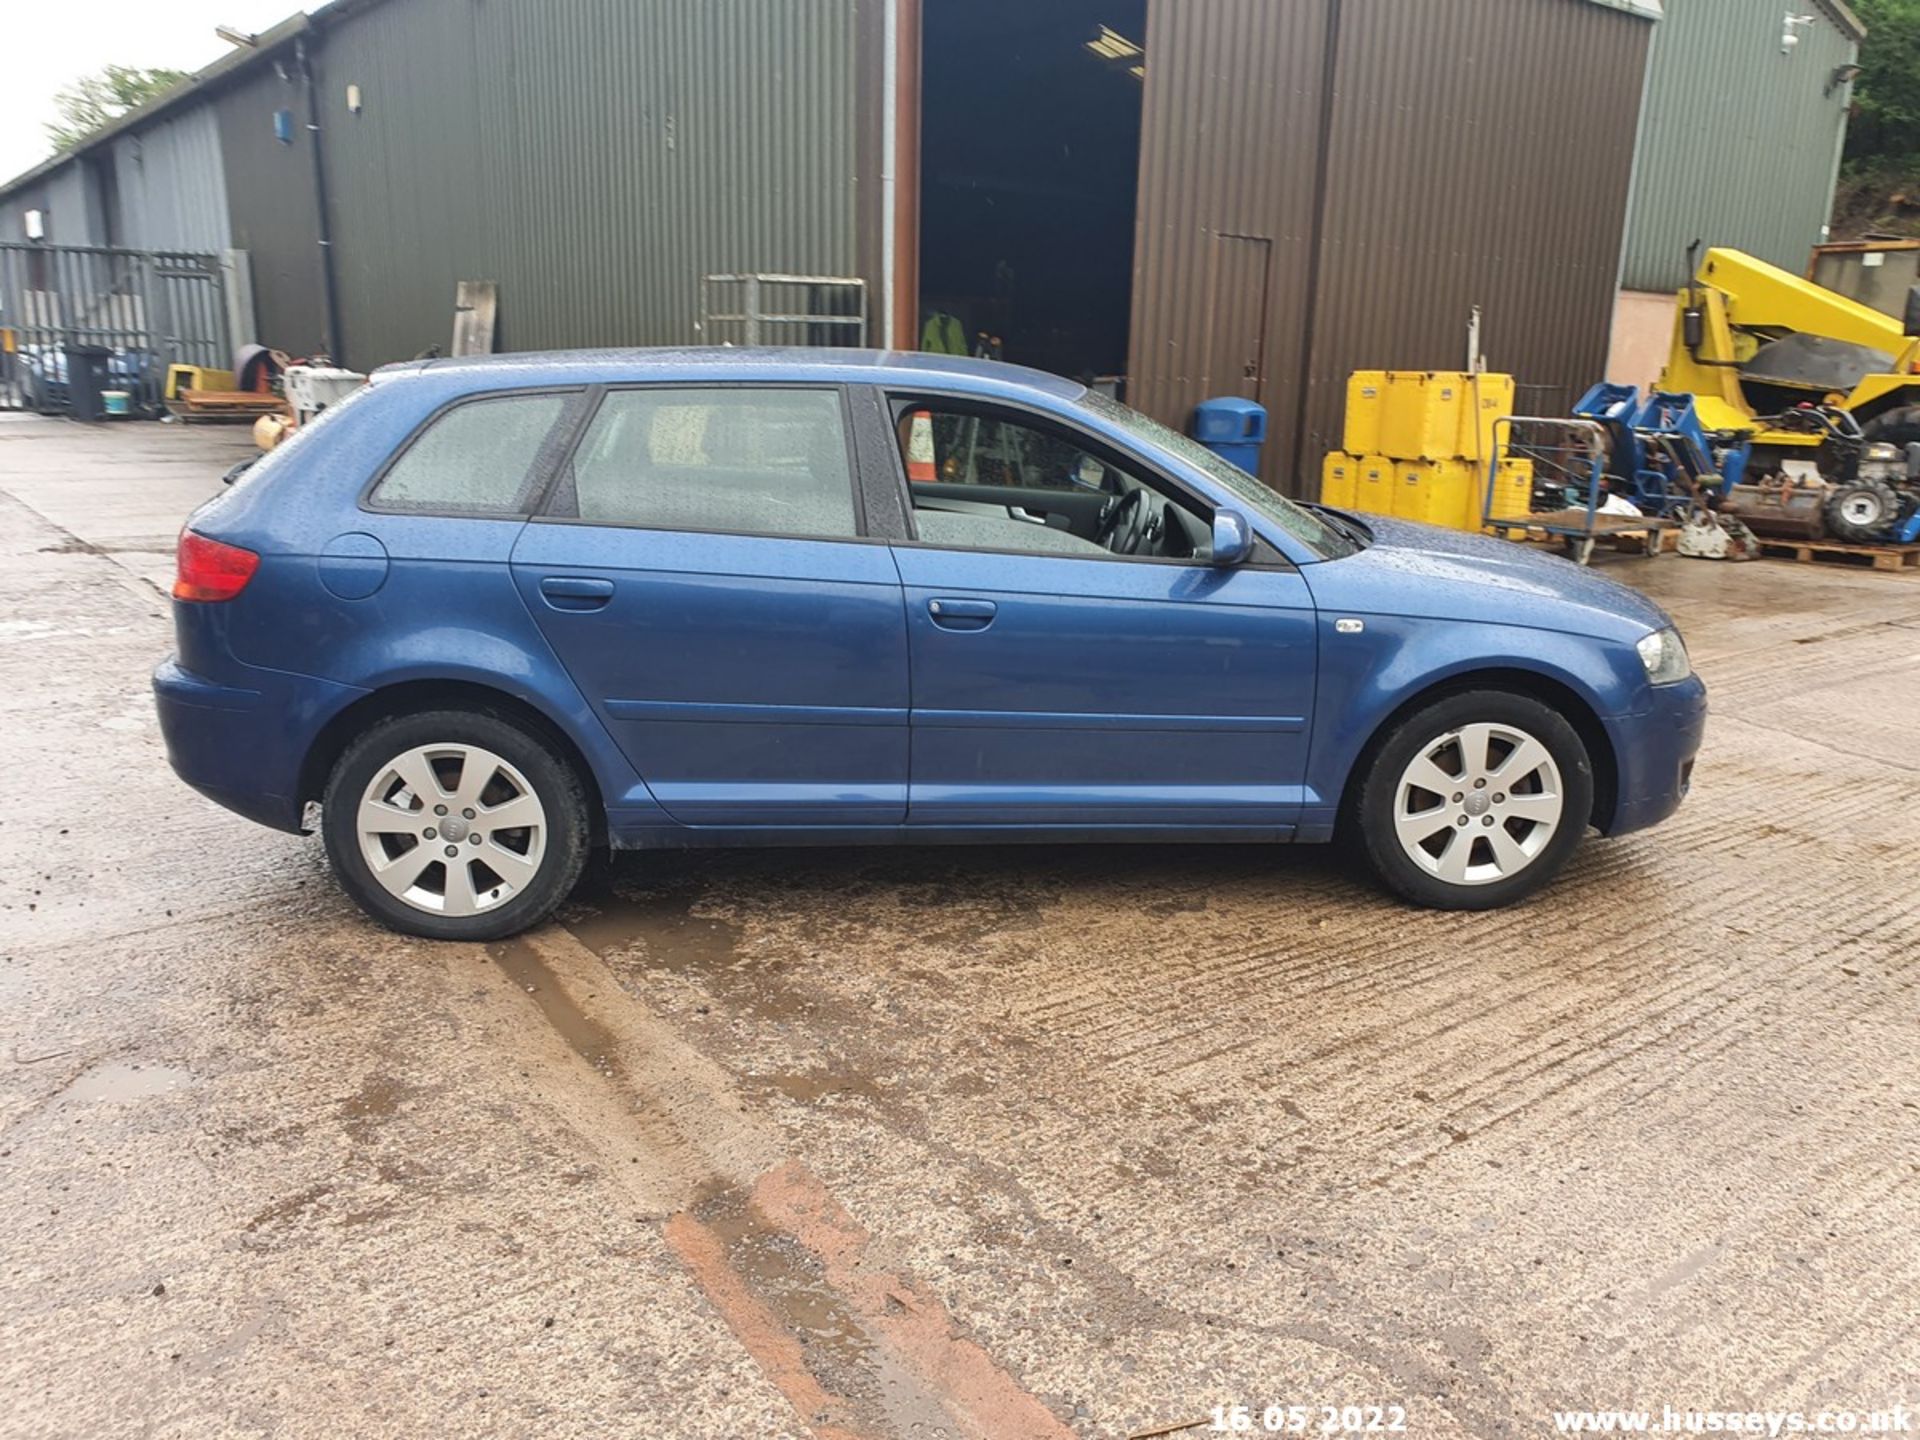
x=761, y=462
x=476, y=459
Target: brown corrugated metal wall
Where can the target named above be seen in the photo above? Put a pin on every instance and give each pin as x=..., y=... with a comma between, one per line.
x=1223, y=243
x=1474, y=152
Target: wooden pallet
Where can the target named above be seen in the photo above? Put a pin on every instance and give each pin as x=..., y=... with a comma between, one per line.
x=226, y=405
x=1614, y=535
x=1878, y=557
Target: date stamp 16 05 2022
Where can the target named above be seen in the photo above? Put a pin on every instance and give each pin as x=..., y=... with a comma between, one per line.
x=1286, y=1419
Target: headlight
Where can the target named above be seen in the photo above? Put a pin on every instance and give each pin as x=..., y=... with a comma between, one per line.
x=1664, y=654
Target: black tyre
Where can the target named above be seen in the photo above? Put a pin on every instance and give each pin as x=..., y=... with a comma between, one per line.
x=1861, y=511
x=1473, y=801
x=455, y=825
x=1899, y=427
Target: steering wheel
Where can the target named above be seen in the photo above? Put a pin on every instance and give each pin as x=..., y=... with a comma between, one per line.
x=1123, y=523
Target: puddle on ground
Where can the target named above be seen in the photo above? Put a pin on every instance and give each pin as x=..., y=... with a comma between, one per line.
x=117, y=1081
x=658, y=933
x=789, y=1282
x=786, y=1278
x=590, y=1040
x=819, y=1085
x=672, y=934
x=377, y=1099
x=290, y=1207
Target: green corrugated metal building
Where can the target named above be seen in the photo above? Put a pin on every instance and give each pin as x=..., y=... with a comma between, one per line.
x=1740, y=133
x=1266, y=194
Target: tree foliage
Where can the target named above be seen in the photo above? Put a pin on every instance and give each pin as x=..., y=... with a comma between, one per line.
x=94, y=100
x=1885, y=130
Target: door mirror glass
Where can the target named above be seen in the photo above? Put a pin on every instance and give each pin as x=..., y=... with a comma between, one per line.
x=1910, y=324
x=1232, y=537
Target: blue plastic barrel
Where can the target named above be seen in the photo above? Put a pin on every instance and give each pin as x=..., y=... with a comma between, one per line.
x=1234, y=429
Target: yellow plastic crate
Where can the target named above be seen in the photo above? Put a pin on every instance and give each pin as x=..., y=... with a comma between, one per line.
x=1438, y=492
x=1366, y=403
x=1339, y=477
x=1373, y=485
x=1488, y=397
x=1422, y=416
x=195, y=377
x=1513, y=490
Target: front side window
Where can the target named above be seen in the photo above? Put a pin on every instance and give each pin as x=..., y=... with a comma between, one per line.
x=475, y=459
x=1326, y=539
x=761, y=462
x=990, y=480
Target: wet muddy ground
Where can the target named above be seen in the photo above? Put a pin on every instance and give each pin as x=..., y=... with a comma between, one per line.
x=1047, y=1141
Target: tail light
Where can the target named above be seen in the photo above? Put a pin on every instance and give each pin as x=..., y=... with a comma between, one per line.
x=210, y=570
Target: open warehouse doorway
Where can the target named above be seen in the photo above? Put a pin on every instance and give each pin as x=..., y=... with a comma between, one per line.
x=1029, y=170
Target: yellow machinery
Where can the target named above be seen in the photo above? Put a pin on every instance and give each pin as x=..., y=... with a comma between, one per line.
x=1825, y=387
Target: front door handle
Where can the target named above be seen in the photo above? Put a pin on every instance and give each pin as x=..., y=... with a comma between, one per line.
x=962, y=614
x=576, y=592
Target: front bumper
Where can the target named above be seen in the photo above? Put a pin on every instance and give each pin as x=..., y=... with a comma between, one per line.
x=1654, y=751
x=244, y=747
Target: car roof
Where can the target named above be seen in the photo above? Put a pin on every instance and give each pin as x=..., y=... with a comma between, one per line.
x=728, y=363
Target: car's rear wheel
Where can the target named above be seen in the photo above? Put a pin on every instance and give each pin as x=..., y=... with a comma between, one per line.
x=455, y=825
x=1474, y=801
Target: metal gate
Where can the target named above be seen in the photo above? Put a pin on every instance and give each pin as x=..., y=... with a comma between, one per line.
x=146, y=309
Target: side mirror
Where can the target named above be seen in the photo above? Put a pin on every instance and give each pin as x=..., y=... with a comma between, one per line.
x=1232, y=537
x=1910, y=321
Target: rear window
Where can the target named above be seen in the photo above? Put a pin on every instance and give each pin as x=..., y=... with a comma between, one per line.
x=762, y=462
x=476, y=459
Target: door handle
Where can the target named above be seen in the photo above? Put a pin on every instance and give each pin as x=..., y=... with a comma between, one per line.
x=576, y=592
x=962, y=614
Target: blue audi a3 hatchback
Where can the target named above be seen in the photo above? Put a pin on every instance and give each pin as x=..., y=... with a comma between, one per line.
x=487, y=614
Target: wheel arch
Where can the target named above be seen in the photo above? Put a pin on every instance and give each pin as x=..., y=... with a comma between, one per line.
x=1530, y=683
x=411, y=697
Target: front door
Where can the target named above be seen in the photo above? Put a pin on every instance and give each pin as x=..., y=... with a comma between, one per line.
x=1084, y=665
x=700, y=573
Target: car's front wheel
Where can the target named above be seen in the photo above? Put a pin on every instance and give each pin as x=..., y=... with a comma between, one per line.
x=455, y=825
x=1474, y=801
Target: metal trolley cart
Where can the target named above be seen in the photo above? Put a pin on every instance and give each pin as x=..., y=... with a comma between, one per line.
x=1567, y=461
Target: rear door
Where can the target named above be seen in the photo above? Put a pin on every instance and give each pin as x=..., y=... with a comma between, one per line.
x=703, y=573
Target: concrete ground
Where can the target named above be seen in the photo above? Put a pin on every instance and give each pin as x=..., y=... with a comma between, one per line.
x=994, y=1143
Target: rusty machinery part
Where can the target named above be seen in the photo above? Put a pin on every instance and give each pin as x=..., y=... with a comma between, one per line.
x=1793, y=506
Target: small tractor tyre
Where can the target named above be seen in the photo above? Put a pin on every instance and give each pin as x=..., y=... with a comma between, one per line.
x=1860, y=512
x=1899, y=427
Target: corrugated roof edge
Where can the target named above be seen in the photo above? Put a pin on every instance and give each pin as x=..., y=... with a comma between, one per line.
x=1835, y=10
x=237, y=61
x=1645, y=9
x=1841, y=15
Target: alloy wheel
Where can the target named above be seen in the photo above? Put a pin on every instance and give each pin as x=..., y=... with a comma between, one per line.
x=451, y=829
x=1478, y=804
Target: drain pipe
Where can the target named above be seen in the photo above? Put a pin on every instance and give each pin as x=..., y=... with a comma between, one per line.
x=329, y=296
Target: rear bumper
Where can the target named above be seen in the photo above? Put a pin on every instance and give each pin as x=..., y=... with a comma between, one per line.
x=1654, y=753
x=243, y=747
